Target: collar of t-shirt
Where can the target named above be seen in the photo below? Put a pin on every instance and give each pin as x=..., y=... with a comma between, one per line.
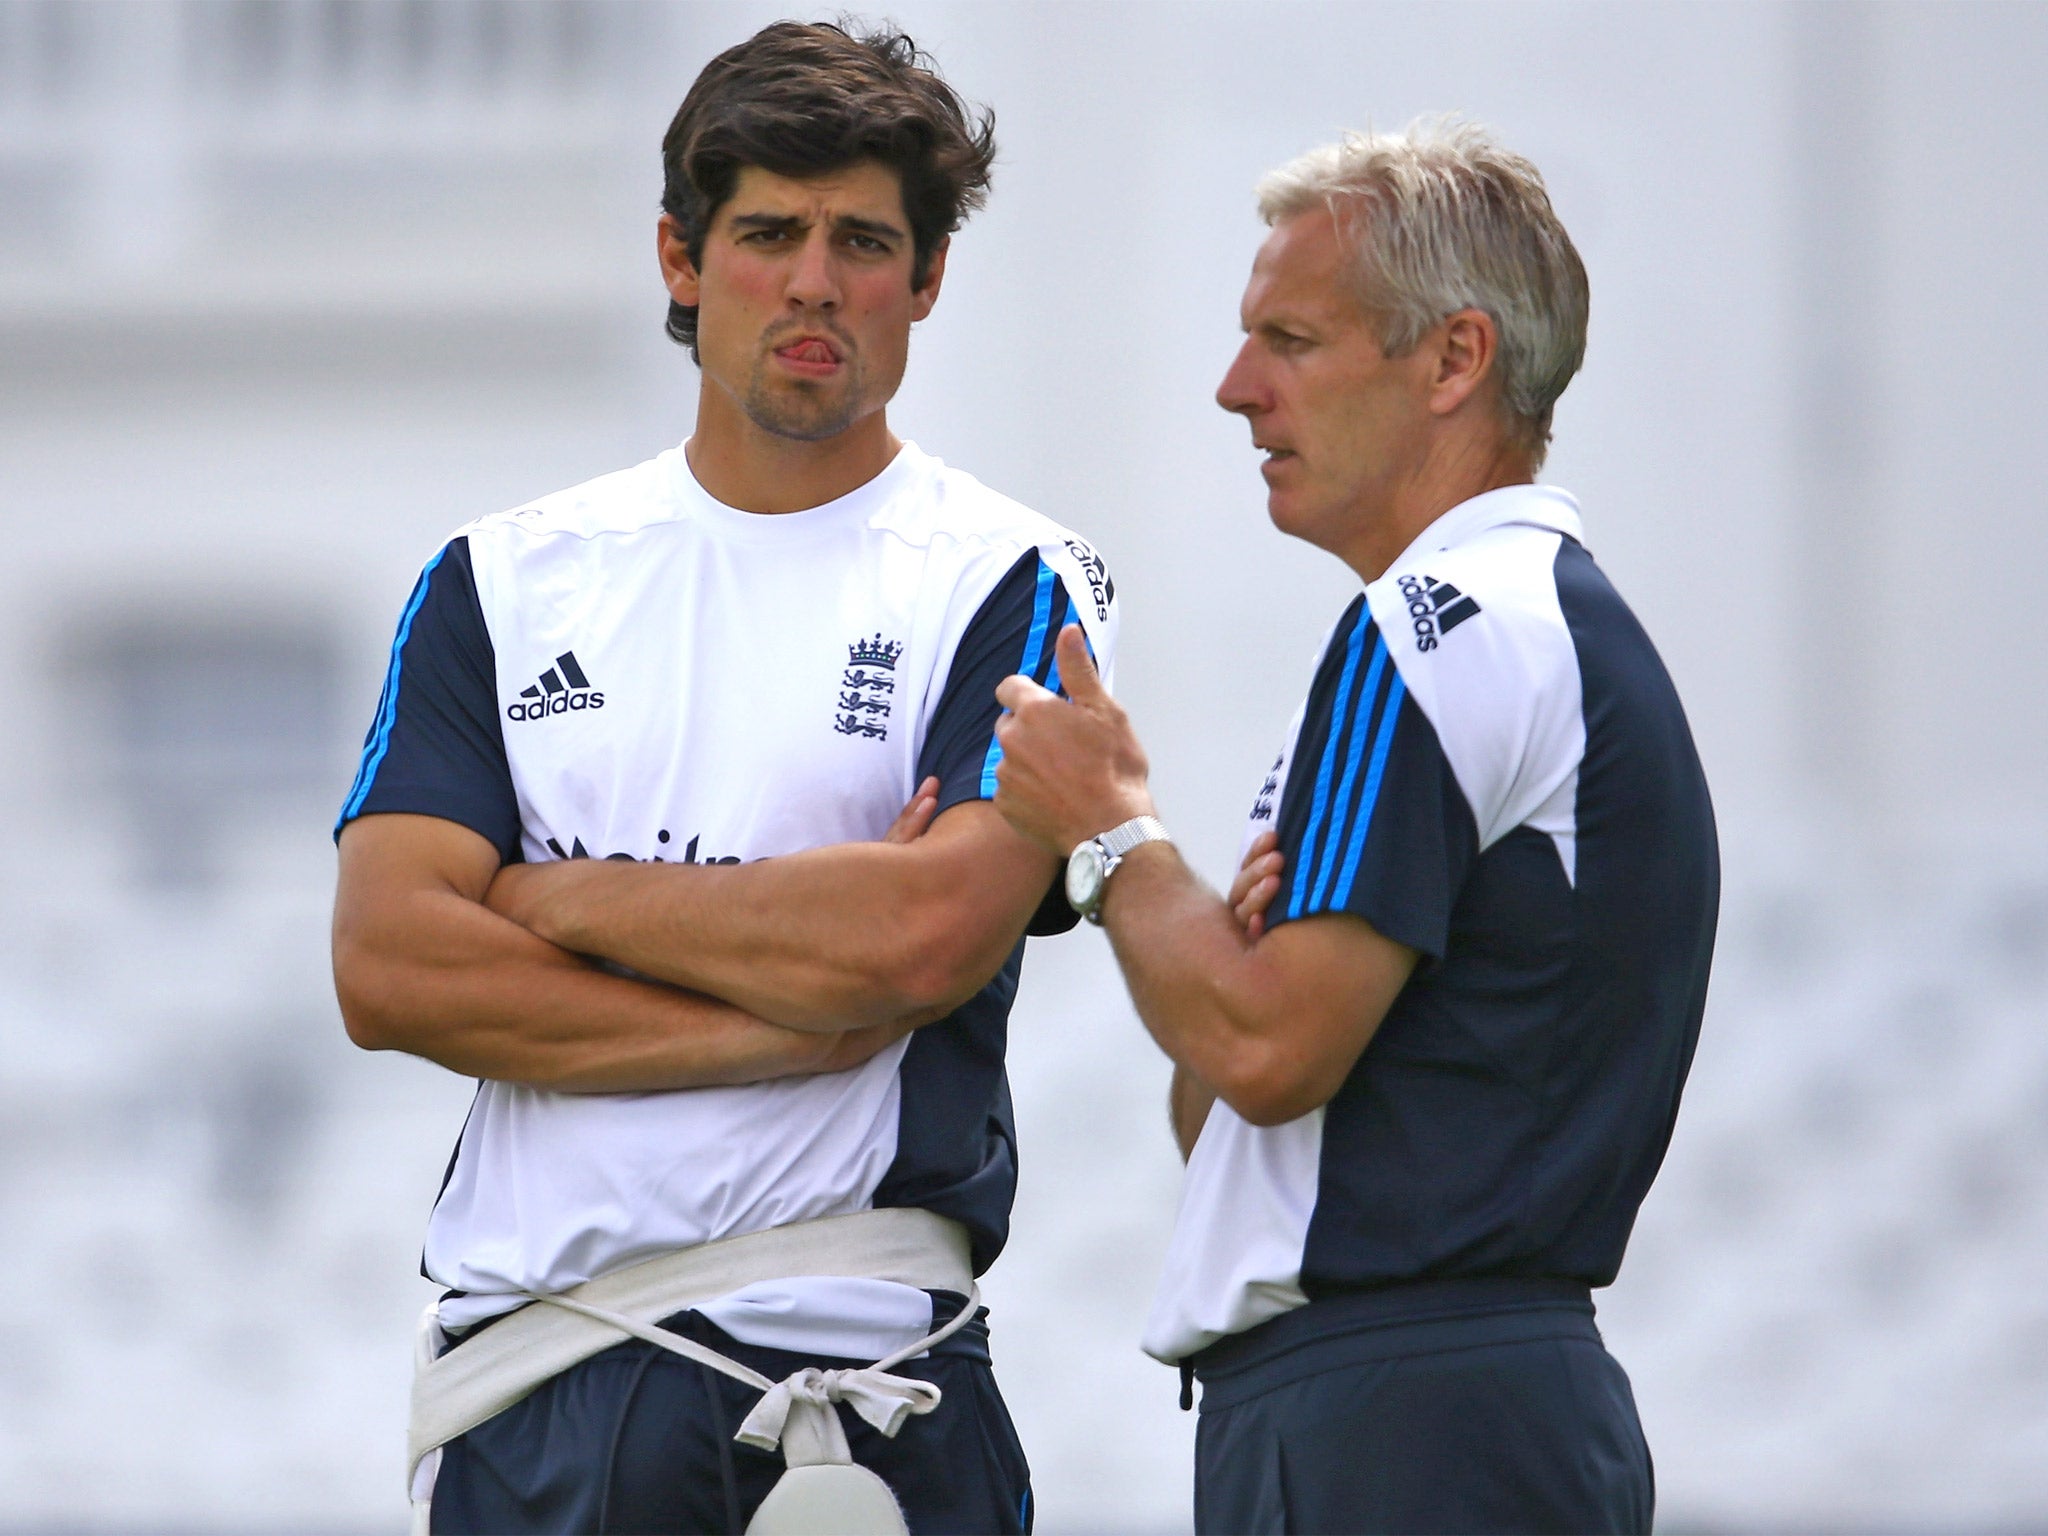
x=1534, y=506
x=850, y=510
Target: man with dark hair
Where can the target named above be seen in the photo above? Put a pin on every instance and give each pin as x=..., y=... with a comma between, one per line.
x=820, y=106
x=625, y=844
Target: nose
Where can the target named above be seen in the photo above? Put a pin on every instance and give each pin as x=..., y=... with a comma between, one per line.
x=1242, y=391
x=814, y=278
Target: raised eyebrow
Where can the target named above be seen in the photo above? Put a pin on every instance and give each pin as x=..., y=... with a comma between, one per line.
x=854, y=224
x=753, y=221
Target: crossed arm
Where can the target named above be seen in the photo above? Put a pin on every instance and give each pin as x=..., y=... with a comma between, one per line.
x=1269, y=1022
x=810, y=963
x=852, y=935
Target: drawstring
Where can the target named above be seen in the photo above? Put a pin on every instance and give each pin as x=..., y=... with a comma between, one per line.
x=804, y=1404
x=1187, y=1386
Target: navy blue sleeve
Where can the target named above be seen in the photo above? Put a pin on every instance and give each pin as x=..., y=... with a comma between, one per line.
x=1012, y=632
x=435, y=746
x=1372, y=821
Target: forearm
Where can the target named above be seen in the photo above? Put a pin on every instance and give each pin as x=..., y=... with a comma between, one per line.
x=1193, y=976
x=849, y=936
x=437, y=975
x=1272, y=1022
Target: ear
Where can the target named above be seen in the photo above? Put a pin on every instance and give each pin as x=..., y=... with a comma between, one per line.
x=678, y=272
x=922, y=299
x=1463, y=350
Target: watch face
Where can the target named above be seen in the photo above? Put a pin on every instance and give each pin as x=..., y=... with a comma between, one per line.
x=1084, y=876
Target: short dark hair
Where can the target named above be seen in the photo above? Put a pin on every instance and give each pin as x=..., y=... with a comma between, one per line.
x=804, y=99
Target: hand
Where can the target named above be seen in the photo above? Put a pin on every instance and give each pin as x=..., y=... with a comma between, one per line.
x=851, y=1048
x=1072, y=768
x=915, y=819
x=1257, y=883
x=751, y=1050
x=518, y=891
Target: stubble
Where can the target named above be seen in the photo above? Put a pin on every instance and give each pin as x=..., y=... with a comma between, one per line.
x=801, y=411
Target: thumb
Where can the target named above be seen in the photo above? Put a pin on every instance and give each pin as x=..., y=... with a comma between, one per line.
x=1083, y=684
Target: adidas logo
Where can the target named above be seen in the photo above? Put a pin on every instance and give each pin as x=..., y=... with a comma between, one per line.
x=561, y=688
x=1435, y=608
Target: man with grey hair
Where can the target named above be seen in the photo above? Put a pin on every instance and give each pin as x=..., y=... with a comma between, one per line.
x=1428, y=1050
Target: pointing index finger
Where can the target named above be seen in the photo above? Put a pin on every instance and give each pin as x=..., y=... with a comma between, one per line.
x=1077, y=668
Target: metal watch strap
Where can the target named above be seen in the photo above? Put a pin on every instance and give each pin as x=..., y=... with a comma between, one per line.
x=1120, y=840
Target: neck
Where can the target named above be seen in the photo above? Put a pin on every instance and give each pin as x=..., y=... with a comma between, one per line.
x=757, y=471
x=1454, y=470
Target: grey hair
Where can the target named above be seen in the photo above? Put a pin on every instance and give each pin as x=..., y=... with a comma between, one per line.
x=1438, y=218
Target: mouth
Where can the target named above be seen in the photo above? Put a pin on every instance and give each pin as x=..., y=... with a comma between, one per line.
x=812, y=356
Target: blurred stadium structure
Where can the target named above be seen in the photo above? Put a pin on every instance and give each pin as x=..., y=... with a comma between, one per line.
x=288, y=291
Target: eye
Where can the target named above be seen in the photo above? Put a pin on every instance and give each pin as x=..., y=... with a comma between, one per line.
x=868, y=243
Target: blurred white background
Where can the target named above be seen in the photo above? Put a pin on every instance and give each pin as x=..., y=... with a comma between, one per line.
x=288, y=291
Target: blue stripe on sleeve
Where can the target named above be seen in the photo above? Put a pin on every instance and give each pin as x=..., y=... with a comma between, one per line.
x=1361, y=729
x=1303, y=868
x=1041, y=615
x=988, y=769
x=1034, y=648
x=387, y=705
x=1389, y=716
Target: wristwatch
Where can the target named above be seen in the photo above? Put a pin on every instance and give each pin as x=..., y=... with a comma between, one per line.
x=1091, y=864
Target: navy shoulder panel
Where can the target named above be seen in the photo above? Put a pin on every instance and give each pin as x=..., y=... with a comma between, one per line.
x=1013, y=631
x=435, y=746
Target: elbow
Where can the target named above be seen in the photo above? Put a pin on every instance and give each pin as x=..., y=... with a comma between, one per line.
x=932, y=970
x=1277, y=1052
x=367, y=1029
x=1268, y=1086
x=354, y=960
x=1276, y=1105
x=945, y=966
x=371, y=1024
x=932, y=954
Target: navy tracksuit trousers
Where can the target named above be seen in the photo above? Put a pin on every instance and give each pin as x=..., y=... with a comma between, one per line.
x=638, y=1440
x=1449, y=1406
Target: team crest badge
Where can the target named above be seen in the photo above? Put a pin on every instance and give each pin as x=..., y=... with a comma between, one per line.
x=867, y=688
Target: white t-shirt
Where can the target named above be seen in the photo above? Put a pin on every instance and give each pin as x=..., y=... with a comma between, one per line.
x=631, y=669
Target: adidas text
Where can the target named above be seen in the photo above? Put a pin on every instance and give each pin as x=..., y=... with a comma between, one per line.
x=554, y=704
x=1435, y=608
x=560, y=689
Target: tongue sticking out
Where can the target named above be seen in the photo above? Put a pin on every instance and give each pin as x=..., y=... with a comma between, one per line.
x=808, y=352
